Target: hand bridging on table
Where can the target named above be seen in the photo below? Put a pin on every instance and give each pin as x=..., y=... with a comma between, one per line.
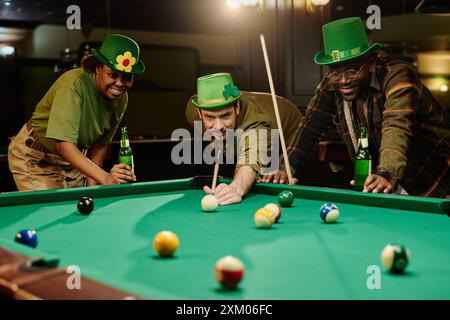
x=225, y=194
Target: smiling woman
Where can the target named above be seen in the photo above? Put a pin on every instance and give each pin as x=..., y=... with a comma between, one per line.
x=112, y=84
x=64, y=143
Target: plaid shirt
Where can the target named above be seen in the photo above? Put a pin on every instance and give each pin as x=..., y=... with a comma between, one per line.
x=409, y=131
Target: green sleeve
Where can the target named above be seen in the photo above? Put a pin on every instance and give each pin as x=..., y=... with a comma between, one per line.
x=254, y=148
x=398, y=121
x=65, y=114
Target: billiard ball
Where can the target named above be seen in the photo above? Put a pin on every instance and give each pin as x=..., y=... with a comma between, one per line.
x=275, y=209
x=209, y=203
x=264, y=218
x=229, y=271
x=27, y=237
x=285, y=198
x=395, y=258
x=85, y=205
x=166, y=243
x=329, y=213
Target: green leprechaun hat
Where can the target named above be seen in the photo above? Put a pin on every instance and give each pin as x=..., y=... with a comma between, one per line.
x=216, y=90
x=343, y=39
x=120, y=53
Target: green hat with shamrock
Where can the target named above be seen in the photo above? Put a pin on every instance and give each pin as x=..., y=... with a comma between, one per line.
x=120, y=53
x=216, y=90
x=343, y=39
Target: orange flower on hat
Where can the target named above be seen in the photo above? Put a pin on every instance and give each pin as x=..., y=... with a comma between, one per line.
x=125, y=62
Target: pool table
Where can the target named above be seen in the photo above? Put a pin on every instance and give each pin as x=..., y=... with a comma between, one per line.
x=301, y=257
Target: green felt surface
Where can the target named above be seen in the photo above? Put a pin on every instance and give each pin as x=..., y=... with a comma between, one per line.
x=299, y=258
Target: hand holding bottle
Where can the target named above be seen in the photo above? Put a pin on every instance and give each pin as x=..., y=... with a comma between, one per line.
x=376, y=184
x=123, y=173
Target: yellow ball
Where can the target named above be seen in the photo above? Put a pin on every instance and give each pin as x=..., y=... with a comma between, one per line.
x=264, y=218
x=165, y=243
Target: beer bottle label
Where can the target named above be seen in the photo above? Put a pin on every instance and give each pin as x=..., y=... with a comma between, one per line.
x=124, y=143
x=364, y=143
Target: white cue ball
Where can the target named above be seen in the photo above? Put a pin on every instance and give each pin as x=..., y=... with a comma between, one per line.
x=209, y=203
x=275, y=209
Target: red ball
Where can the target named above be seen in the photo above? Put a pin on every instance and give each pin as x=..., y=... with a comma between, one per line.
x=229, y=271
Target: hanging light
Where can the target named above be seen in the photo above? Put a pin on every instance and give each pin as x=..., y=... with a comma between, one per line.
x=242, y=3
x=320, y=2
x=252, y=4
x=311, y=5
x=6, y=51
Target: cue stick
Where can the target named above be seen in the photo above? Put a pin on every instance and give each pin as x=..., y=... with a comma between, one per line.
x=15, y=292
x=275, y=105
x=216, y=171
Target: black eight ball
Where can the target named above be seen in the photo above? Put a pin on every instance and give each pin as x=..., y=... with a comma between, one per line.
x=85, y=205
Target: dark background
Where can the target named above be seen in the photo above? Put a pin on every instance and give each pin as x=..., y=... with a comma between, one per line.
x=292, y=29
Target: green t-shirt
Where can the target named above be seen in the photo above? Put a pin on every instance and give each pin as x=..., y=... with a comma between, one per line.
x=257, y=112
x=72, y=110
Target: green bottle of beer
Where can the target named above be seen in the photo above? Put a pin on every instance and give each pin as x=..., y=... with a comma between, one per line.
x=363, y=161
x=125, y=152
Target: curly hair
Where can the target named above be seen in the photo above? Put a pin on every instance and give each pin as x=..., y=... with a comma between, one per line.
x=89, y=63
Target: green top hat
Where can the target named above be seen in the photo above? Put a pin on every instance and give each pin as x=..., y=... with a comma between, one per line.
x=216, y=90
x=344, y=39
x=120, y=53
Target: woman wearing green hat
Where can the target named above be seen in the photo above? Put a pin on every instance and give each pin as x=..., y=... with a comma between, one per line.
x=64, y=143
x=408, y=130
